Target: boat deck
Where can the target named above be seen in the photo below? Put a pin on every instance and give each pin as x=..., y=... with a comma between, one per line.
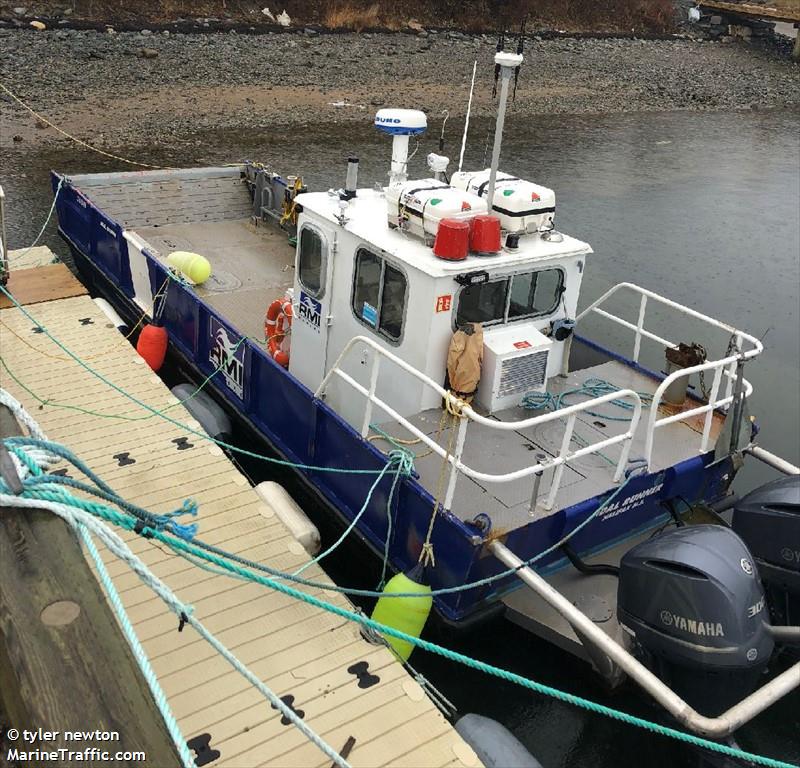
x=250, y=266
x=489, y=450
x=298, y=650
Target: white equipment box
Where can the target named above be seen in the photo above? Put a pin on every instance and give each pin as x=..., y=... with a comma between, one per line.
x=419, y=206
x=523, y=207
x=514, y=362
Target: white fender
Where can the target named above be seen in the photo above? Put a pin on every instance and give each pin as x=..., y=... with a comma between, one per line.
x=290, y=514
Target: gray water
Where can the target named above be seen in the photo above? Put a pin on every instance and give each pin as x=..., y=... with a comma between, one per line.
x=701, y=207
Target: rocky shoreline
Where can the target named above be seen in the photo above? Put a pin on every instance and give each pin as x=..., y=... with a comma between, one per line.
x=146, y=88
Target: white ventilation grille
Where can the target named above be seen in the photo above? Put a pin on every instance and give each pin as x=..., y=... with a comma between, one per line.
x=519, y=374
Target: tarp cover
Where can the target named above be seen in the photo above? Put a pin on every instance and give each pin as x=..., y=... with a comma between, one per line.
x=464, y=360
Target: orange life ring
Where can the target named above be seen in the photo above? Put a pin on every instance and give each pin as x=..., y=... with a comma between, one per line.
x=277, y=326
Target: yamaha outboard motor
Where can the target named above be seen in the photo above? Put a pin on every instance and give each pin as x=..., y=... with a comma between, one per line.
x=694, y=608
x=768, y=519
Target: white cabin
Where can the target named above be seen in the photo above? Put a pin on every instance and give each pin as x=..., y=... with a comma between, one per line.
x=361, y=271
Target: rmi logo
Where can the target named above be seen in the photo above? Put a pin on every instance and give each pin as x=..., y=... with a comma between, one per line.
x=310, y=311
x=228, y=356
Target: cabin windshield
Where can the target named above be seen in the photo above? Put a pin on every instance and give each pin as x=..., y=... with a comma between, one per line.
x=524, y=295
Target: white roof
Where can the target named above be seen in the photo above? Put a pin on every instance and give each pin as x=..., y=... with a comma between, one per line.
x=368, y=220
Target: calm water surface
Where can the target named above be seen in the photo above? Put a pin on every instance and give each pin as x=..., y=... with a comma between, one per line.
x=703, y=208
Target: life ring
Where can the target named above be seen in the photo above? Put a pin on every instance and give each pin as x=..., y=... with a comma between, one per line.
x=277, y=327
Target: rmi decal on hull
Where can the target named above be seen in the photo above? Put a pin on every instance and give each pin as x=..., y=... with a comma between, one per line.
x=227, y=355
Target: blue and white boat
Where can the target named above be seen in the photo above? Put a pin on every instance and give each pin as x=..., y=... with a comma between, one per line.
x=441, y=316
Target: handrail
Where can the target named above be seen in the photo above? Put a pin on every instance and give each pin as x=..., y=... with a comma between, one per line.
x=710, y=727
x=758, y=347
x=725, y=366
x=466, y=414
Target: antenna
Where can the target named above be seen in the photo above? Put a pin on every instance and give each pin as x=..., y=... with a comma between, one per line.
x=506, y=63
x=441, y=135
x=466, y=120
x=520, y=46
x=501, y=42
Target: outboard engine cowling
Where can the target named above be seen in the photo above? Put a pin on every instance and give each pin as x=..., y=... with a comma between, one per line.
x=768, y=520
x=692, y=602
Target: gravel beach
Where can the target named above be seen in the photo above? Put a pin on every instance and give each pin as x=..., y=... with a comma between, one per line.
x=139, y=89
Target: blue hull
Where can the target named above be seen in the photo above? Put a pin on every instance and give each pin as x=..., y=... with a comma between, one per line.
x=304, y=430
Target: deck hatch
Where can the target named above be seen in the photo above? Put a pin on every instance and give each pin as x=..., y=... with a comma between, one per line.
x=519, y=374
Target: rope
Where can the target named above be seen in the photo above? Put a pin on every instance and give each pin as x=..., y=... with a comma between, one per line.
x=44, y=226
x=113, y=348
x=117, y=546
x=157, y=525
x=404, y=466
x=426, y=555
x=591, y=388
x=74, y=138
x=77, y=517
x=138, y=652
x=84, y=522
x=185, y=612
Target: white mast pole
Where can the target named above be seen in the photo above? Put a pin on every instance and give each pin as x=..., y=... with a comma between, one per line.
x=466, y=121
x=508, y=63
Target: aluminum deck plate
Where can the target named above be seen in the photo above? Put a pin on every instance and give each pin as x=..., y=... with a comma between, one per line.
x=295, y=648
x=250, y=266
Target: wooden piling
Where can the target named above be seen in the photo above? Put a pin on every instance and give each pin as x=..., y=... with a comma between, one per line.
x=64, y=663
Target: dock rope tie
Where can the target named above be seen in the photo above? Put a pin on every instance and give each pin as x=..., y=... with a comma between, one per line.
x=451, y=416
x=83, y=512
x=77, y=514
x=403, y=465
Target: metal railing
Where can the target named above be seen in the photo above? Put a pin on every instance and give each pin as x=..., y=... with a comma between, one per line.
x=723, y=367
x=599, y=644
x=466, y=413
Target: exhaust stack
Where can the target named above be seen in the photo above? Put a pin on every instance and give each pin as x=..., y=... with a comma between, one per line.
x=351, y=181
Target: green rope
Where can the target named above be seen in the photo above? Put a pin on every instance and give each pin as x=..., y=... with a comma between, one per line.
x=512, y=677
x=219, y=556
x=187, y=758
x=404, y=467
x=591, y=388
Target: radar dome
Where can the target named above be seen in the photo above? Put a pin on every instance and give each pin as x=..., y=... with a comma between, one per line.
x=401, y=122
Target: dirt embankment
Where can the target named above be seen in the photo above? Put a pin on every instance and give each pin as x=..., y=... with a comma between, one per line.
x=164, y=89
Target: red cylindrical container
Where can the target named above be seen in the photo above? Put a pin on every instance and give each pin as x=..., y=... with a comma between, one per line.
x=452, y=240
x=485, y=235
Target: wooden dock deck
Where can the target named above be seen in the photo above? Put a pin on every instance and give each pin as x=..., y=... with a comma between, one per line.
x=298, y=650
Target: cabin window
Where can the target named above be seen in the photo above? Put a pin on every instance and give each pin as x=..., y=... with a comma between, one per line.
x=527, y=294
x=535, y=293
x=310, y=261
x=484, y=303
x=379, y=294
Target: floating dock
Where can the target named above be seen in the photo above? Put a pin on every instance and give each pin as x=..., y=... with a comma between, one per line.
x=318, y=663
